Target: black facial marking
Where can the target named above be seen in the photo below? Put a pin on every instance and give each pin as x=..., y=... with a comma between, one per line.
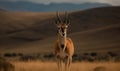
x=63, y=34
x=62, y=46
x=62, y=29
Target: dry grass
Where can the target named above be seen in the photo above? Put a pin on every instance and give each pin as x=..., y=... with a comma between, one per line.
x=79, y=66
x=35, y=66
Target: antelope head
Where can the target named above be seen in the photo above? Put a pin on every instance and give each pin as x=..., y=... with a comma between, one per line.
x=62, y=23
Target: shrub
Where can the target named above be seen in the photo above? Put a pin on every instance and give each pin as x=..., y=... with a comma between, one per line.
x=93, y=54
x=7, y=55
x=5, y=66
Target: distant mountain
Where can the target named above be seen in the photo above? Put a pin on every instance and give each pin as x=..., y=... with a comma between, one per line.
x=36, y=7
x=2, y=9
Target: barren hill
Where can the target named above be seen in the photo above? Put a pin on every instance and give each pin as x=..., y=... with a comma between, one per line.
x=2, y=9
x=91, y=30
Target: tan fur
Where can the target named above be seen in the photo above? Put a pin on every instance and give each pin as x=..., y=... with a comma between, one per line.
x=64, y=47
x=69, y=47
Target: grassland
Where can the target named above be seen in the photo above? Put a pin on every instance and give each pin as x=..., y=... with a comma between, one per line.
x=78, y=66
x=34, y=34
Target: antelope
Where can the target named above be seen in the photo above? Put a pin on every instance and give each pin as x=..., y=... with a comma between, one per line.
x=64, y=48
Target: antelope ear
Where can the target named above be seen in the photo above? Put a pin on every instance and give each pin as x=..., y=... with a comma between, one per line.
x=58, y=25
x=66, y=26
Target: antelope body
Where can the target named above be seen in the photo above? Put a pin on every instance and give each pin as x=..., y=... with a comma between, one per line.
x=64, y=48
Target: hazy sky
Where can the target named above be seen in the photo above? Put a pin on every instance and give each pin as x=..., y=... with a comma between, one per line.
x=113, y=2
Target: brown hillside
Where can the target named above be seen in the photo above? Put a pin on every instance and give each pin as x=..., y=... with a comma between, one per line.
x=90, y=30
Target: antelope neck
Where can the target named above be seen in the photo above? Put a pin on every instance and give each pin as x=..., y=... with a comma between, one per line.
x=62, y=40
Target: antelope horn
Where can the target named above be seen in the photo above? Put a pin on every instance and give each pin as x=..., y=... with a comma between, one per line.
x=58, y=16
x=67, y=21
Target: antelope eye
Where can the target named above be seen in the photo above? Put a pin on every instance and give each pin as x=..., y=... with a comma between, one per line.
x=58, y=27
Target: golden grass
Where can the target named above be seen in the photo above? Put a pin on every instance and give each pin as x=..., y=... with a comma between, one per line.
x=35, y=66
x=79, y=66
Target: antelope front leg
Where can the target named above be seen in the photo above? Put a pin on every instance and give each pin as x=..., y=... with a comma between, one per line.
x=59, y=63
x=68, y=63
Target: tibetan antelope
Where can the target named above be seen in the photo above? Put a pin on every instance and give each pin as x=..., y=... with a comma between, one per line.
x=64, y=47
